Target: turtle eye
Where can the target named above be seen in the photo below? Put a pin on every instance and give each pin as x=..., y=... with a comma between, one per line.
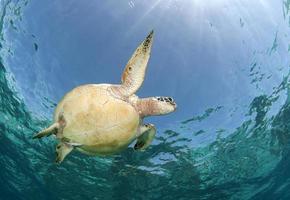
x=168, y=99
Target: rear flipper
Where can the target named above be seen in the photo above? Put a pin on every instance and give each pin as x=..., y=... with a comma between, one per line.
x=47, y=132
x=56, y=128
x=63, y=149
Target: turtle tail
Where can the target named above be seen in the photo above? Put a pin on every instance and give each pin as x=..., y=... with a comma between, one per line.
x=47, y=132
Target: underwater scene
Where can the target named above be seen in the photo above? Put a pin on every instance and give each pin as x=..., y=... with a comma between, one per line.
x=226, y=64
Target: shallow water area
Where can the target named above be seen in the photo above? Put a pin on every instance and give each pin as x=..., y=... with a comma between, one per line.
x=225, y=62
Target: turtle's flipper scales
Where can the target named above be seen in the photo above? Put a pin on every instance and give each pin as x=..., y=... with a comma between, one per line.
x=47, y=132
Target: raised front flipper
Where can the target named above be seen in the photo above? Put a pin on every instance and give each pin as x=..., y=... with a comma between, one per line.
x=146, y=136
x=134, y=72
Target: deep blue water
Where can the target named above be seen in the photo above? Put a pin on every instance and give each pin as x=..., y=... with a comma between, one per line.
x=225, y=62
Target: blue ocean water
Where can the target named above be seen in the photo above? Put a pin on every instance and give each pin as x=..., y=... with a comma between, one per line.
x=225, y=62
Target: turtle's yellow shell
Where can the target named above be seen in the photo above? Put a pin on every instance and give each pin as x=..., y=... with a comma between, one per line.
x=96, y=119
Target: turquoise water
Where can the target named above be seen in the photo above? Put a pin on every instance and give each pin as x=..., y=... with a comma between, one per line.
x=225, y=62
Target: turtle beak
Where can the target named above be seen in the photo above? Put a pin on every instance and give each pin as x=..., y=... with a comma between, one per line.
x=175, y=105
x=172, y=102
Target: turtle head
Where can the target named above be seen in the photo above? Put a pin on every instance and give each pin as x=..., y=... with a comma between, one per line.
x=164, y=105
x=155, y=106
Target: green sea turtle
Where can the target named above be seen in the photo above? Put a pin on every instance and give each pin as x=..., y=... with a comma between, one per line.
x=103, y=119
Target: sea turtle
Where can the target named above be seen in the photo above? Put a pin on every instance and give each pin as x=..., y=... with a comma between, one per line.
x=103, y=119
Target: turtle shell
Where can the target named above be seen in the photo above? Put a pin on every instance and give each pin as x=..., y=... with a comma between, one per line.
x=102, y=123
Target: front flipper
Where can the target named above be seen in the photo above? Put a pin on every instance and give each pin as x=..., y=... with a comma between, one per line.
x=147, y=134
x=62, y=150
x=134, y=72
